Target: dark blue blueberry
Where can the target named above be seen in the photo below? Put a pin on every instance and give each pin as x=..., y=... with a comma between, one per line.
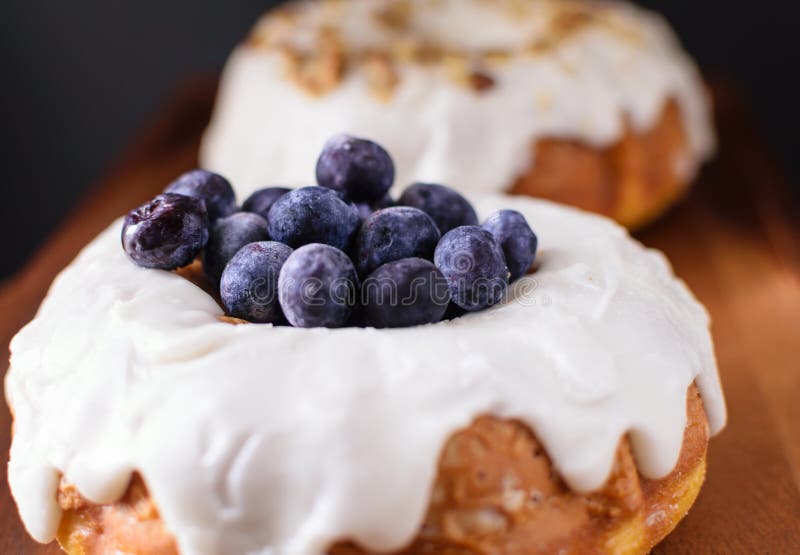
x=166, y=233
x=447, y=208
x=453, y=311
x=516, y=238
x=312, y=215
x=385, y=202
x=318, y=287
x=262, y=200
x=365, y=209
x=211, y=188
x=394, y=233
x=473, y=263
x=357, y=317
x=360, y=170
x=228, y=235
x=407, y=292
x=249, y=284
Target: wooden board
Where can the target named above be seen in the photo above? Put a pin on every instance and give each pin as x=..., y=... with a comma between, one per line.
x=734, y=240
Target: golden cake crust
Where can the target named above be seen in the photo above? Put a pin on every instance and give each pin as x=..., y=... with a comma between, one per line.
x=632, y=181
x=496, y=492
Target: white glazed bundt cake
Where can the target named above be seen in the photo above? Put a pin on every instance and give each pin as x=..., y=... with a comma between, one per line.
x=591, y=103
x=572, y=417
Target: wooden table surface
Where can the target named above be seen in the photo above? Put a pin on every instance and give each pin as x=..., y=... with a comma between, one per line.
x=735, y=241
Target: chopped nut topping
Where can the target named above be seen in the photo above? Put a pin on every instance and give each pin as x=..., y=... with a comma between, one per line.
x=480, y=82
x=395, y=16
x=568, y=22
x=319, y=72
x=457, y=68
x=405, y=49
x=540, y=47
x=429, y=53
x=279, y=24
x=381, y=76
x=496, y=57
x=317, y=62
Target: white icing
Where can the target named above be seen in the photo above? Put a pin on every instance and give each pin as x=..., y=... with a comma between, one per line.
x=265, y=129
x=254, y=439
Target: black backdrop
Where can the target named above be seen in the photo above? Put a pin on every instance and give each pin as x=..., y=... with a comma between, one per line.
x=79, y=77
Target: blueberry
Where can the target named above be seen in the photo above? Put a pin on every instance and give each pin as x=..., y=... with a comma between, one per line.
x=359, y=169
x=403, y=293
x=365, y=209
x=453, y=311
x=473, y=262
x=228, y=235
x=166, y=233
x=211, y=188
x=262, y=200
x=312, y=215
x=386, y=201
x=317, y=287
x=394, y=233
x=249, y=284
x=516, y=238
x=447, y=208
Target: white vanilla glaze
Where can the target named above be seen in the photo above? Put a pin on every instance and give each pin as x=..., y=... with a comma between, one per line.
x=255, y=439
x=624, y=66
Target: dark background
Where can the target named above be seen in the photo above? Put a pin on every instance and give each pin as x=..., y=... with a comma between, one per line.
x=80, y=77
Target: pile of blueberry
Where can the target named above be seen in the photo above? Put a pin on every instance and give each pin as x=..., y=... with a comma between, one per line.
x=341, y=253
